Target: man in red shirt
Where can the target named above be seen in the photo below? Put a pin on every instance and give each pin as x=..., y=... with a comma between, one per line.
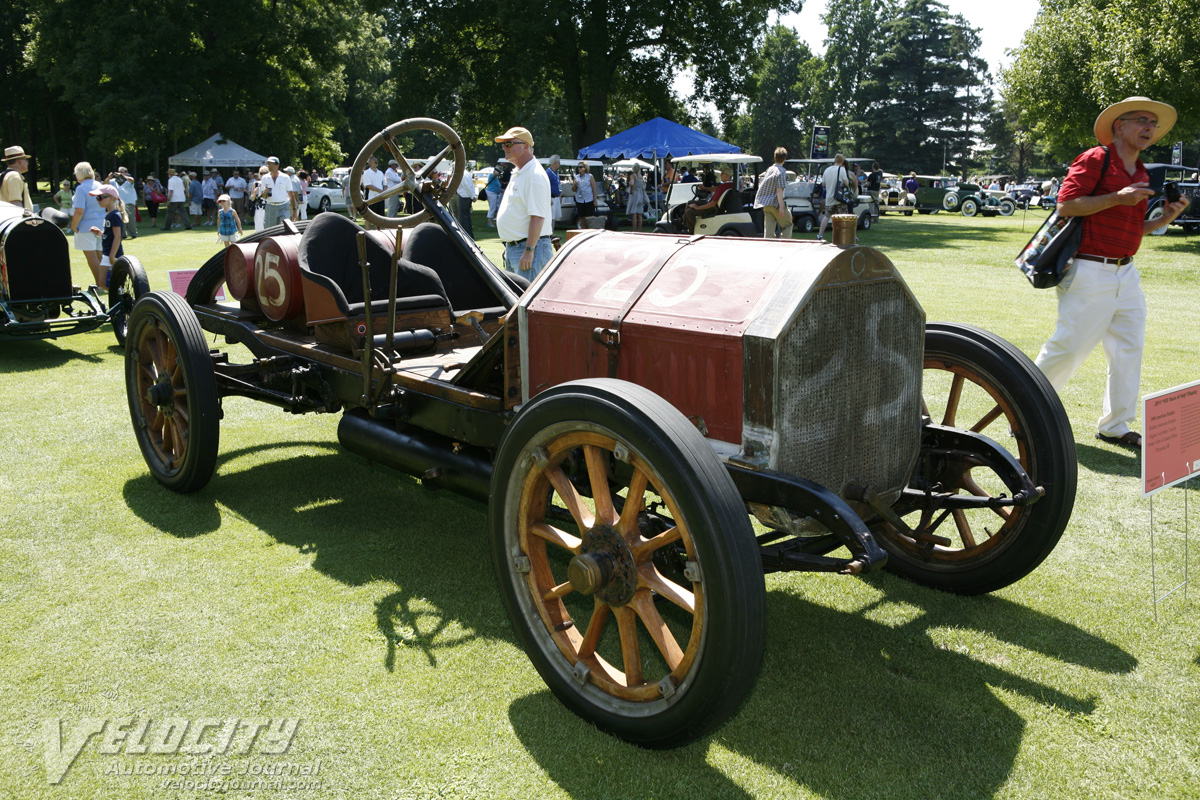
x=695, y=209
x=1100, y=299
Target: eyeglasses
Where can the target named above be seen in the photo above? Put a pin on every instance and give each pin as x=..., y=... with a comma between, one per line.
x=1142, y=122
x=507, y=145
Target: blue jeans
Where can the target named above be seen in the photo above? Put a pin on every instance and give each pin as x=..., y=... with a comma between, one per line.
x=542, y=253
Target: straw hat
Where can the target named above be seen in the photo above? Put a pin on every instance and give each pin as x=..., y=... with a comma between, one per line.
x=13, y=153
x=1104, y=123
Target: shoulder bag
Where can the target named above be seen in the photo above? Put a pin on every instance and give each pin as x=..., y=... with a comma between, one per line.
x=1044, y=257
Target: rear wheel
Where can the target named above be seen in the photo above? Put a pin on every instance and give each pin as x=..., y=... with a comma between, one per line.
x=1007, y=207
x=864, y=221
x=976, y=381
x=808, y=224
x=172, y=392
x=324, y=205
x=970, y=207
x=627, y=562
x=127, y=284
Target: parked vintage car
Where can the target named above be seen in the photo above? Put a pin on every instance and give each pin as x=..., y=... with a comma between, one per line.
x=1189, y=187
x=893, y=198
x=625, y=417
x=37, y=297
x=972, y=199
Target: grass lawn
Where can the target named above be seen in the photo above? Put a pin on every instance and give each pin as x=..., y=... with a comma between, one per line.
x=304, y=583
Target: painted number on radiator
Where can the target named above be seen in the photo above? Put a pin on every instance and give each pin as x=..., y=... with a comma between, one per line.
x=267, y=265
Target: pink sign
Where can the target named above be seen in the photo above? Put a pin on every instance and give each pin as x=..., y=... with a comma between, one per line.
x=1171, y=443
x=180, y=278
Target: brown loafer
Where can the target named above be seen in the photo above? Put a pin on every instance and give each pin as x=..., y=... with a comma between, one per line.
x=1129, y=440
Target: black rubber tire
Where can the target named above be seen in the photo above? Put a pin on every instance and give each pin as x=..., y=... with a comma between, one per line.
x=808, y=224
x=127, y=283
x=1032, y=425
x=208, y=279
x=925, y=211
x=865, y=221
x=1007, y=208
x=908, y=213
x=724, y=649
x=970, y=207
x=324, y=205
x=179, y=430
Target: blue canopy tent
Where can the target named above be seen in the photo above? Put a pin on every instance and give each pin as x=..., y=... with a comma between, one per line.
x=657, y=138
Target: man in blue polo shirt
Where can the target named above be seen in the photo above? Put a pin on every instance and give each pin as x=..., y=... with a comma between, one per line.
x=555, y=188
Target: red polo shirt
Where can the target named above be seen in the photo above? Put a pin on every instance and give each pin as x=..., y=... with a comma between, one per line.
x=1114, y=232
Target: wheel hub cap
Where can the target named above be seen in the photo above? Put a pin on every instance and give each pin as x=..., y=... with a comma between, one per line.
x=605, y=568
x=160, y=394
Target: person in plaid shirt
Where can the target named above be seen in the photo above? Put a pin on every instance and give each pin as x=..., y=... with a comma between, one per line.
x=776, y=215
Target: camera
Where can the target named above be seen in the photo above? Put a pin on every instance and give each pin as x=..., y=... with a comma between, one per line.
x=1171, y=191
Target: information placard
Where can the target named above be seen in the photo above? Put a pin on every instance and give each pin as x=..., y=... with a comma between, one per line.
x=1171, y=443
x=180, y=278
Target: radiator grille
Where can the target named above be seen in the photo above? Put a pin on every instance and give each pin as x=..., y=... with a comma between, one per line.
x=849, y=393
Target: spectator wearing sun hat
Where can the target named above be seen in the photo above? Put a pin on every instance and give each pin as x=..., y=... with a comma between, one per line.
x=1100, y=299
x=12, y=187
x=391, y=178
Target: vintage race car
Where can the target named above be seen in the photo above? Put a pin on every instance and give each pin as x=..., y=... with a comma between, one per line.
x=38, y=299
x=654, y=423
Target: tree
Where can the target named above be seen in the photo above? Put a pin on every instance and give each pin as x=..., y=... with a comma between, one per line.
x=783, y=89
x=144, y=77
x=854, y=29
x=926, y=92
x=1083, y=55
x=490, y=59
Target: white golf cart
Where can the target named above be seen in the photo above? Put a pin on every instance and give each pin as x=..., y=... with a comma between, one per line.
x=731, y=216
x=806, y=212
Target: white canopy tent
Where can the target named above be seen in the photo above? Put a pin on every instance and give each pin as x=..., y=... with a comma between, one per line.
x=217, y=151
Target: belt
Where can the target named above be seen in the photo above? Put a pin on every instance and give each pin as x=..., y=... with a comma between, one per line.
x=521, y=241
x=1118, y=262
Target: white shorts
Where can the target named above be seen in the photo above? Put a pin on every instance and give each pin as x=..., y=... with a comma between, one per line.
x=86, y=240
x=194, y=208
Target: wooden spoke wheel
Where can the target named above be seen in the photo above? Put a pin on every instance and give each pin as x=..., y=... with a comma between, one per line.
x=127, y=284
x=172, y=392
x=627, y=562
x=976, y=381
x=389, y=140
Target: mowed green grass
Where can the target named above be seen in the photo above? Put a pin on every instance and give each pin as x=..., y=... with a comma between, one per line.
x=304, y=582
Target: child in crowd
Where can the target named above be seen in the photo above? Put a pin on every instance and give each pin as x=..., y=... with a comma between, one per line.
x=114, y=225
x=228, y=221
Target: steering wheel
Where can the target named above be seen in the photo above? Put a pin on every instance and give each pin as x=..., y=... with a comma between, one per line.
x=413, y=179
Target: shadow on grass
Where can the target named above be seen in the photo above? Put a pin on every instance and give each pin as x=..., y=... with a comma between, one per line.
x=363, y=524
x=850, y=707
x=1107, y=460
x=31, y=355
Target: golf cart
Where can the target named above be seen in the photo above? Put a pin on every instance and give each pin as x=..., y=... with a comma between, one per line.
x=624, y=417
x=732, y=216
x=570, y=216
x=37, y=297
x=803, y=196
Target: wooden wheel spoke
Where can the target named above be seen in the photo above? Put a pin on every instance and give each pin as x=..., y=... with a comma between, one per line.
x=644, y=548
x=562, y=590
x=964, y=527
x=635, y=502
x=650, y=578
x=952, y=399
x=555, y=536
x=987, y=419
x=631, y=649
x=582, y=515
x=597, y=468
x=643, y=604
x=591, y=638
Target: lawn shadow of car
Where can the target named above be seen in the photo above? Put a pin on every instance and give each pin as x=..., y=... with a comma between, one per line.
x=366, y=524
x=38, y=354
x=842, y=706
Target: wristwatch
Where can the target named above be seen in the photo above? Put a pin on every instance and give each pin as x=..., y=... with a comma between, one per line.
x=528, y=249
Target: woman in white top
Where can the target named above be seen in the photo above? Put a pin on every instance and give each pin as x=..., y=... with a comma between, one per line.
x=585, y=193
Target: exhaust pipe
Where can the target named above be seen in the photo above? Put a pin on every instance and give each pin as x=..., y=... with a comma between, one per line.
x=429, y=456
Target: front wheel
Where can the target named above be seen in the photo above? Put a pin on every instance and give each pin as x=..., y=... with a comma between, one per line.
x=976, y=381
x=970, y=207
x=172, y=392
x=1007, y=208
x=627, y=562
x=1157, y=213
x=127, y=284
x=950, y=201
x=324, y=205
x=808, y=224
x=865, y=221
